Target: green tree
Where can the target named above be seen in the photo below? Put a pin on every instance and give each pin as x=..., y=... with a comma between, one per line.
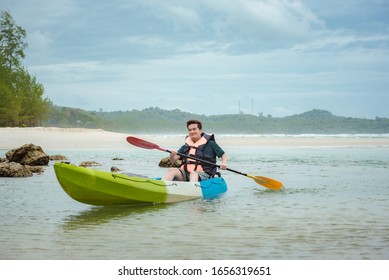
x=9, y=105
x=12, y=41
x=33, y=107
x=21, y=96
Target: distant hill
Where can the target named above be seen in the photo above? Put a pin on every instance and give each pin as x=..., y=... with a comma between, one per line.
x=154, y=120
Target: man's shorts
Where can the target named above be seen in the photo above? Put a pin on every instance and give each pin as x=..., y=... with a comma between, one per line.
x=202, y=175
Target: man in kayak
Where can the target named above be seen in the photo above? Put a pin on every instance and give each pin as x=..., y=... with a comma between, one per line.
x=199, y=145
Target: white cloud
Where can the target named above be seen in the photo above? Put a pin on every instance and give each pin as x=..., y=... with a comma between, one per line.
x=259, y=20
x=339, y=40
x=182, y=15
x=39, y=41
x=149, y=41
x=282, y=16
x=35, y=14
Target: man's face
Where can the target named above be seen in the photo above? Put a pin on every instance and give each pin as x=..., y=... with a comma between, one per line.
x=194, y=132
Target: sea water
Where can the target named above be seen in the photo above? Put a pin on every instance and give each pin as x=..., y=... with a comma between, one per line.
x=334, y=205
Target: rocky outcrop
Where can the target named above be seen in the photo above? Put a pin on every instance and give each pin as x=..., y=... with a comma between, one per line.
x=28, y=154
x=165, y=162
x=58, y=157
x=14, y=169
x=35, y=169
x=23, y=161
x=115, y=169
x=89, y=163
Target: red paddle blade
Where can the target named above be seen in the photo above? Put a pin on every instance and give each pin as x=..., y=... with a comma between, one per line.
x=143, y=143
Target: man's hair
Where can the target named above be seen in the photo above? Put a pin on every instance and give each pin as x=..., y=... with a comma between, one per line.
x=199, y=125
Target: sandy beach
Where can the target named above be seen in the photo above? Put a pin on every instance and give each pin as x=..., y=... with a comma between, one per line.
x=81, y=138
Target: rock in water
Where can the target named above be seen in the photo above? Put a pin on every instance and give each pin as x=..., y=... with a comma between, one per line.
x=13, y=169
x=89, y=163
x=58, y=157
x=28, y=154
x=165, y=162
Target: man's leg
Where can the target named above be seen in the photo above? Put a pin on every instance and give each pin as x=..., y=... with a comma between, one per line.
x=194, y=177
x=173, y=174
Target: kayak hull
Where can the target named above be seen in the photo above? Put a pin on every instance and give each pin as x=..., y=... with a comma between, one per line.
x=96, y=187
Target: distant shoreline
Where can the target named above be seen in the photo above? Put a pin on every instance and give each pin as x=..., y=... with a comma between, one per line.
x=156, y=120
x=82, y=138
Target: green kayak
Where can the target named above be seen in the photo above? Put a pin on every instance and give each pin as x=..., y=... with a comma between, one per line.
x=96, y=187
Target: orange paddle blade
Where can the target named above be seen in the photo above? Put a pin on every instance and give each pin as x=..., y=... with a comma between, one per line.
x=266, y=182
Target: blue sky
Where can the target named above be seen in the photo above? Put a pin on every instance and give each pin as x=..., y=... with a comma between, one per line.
x=275, y=57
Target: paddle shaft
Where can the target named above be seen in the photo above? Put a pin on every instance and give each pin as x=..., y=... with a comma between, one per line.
x=205, y=161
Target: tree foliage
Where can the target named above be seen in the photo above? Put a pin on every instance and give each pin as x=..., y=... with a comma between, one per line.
x=21, y=96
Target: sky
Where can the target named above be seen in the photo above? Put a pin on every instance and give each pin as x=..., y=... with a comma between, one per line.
x=278, y=57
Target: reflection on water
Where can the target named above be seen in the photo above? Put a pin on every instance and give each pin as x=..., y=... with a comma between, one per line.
x=104, y=214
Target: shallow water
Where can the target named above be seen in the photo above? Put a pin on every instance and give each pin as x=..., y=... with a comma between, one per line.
x=335, y=205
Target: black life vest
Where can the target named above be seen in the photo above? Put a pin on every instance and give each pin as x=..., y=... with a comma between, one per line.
x=197, y=150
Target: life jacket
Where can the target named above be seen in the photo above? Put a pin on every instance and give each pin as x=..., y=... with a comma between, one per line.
x=197, y=150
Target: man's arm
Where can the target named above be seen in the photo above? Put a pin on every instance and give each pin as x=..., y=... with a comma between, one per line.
x=223, y=165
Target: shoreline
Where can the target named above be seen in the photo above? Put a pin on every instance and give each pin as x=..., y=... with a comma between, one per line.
x=83, y=138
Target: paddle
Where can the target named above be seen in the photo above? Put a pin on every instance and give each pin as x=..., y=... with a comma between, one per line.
x=263, y=181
